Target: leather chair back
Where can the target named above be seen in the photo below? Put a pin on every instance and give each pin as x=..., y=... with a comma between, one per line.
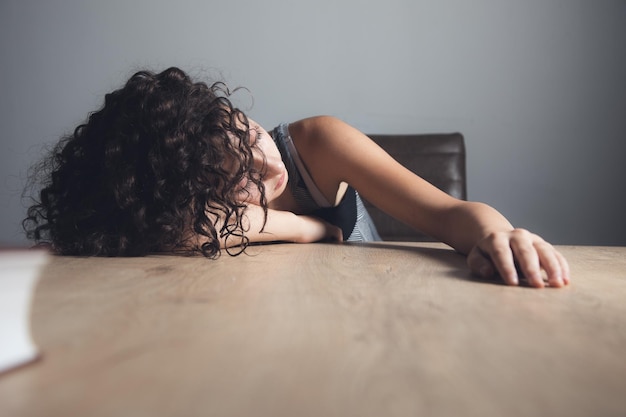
x=437, y=158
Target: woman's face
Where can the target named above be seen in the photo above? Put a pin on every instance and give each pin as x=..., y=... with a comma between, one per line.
x=268, y=161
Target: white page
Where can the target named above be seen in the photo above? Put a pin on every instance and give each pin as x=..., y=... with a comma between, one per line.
x=19, y=272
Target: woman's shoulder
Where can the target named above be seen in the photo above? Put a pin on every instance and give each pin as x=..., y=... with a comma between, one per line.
x=319, y=134
x=315, y=126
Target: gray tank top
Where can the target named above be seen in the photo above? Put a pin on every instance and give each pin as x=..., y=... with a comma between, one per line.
x=350, y=215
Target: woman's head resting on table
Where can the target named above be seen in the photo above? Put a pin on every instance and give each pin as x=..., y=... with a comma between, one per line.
x=153, y=170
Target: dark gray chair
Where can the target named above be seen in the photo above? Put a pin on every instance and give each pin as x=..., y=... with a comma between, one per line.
x=438, y=158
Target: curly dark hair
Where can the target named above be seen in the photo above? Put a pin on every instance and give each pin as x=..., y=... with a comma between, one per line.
x=153, y=170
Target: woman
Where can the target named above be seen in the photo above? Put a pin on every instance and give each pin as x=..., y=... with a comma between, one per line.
x=171, y=165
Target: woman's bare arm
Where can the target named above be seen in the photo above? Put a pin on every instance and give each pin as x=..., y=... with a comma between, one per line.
x=334, y=152
x=283, y=226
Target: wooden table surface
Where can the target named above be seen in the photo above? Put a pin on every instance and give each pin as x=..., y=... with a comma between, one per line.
x=322, y=330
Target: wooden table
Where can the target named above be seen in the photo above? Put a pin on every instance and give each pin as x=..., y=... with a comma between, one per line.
x=322, y=330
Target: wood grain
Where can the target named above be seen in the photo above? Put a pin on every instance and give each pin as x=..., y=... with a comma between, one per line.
x=322, y=330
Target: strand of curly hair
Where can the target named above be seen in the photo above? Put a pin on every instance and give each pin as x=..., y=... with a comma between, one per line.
x=153, y=170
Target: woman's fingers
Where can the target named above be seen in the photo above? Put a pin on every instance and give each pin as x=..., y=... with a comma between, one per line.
x=506, y=252
x=497, y=250
x=526, y=256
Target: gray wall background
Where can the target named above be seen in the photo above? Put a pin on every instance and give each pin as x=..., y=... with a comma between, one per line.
x=538, y=87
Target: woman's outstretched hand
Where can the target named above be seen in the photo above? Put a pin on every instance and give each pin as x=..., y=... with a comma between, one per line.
x=506, y=253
